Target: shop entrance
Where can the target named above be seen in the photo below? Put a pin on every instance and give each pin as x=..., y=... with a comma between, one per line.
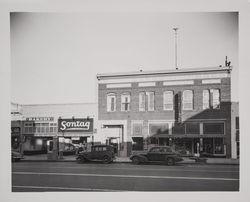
x=114, y=136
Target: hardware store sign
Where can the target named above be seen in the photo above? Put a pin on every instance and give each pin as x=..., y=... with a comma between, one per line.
x=75, y=125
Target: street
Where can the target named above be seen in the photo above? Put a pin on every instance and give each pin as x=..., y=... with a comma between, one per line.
x=71, y=176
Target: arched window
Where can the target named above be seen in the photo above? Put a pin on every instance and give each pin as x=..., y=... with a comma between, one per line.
x=187, y=100
x=168, y=100
x=111, y=102
x=125, y=102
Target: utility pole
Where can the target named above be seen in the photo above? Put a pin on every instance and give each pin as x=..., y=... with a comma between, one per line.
x=175, y=29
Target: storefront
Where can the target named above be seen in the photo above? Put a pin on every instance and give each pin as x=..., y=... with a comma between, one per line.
x=76, y=130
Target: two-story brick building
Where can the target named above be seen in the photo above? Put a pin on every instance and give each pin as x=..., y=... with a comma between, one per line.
x=187, y=108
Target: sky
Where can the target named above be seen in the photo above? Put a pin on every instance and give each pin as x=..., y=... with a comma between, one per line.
x=55, y=56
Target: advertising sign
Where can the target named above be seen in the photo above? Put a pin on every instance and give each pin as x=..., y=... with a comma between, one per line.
x=75, y=125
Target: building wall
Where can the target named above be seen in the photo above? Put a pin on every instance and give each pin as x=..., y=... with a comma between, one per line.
x=198, y=114
x=235, y=132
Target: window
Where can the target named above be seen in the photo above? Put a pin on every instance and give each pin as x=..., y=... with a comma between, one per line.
x=125, y=102
x=215, y=98
x=192, y=128
x=158, y=128
x=237, y=123
x=211, y=99
x=141, y=101
x=213, y=128
x=178, y=129
x=150, y=101
x=166, y=149
x=155, y=149
x=168, y=100
x=111, y=102
x=205, y=99
x=187, y=100
x=28, y=128
x=218, y=146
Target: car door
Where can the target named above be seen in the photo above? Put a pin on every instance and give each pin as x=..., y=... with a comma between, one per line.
x=165, y=152
x=94, y=153
x=154, y=154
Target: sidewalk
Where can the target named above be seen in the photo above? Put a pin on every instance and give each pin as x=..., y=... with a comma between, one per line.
x=72, y=158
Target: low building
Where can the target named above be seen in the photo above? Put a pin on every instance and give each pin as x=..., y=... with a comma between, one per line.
x=189, y=109
x=38, y=124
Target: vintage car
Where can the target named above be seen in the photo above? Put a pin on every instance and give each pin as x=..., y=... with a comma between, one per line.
x=164, y=154
x=102, y=153
x=16, y=156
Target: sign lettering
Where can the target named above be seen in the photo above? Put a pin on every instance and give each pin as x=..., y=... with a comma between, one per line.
x=73, y=125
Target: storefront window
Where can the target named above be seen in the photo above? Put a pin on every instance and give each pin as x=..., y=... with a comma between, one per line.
x=213, y=128
x=218, y=146
x=158, y=129
x=178, y=129
x=192, y=128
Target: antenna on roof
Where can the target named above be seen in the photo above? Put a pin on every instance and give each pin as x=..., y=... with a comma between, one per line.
x=175, y=29
x=227, y=63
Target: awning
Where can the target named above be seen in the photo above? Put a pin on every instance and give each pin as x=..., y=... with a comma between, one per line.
x=187, y=136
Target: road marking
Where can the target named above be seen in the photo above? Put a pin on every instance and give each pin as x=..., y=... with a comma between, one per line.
x=125, y=176
x=149, y=169
x=65, y=188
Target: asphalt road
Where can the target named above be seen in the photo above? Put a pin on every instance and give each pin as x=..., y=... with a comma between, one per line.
x=71, y=176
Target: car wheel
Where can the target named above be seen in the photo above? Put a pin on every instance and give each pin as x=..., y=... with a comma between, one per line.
x=135, y=160
x=81, y=160
x=170, y=161
x=106, y=159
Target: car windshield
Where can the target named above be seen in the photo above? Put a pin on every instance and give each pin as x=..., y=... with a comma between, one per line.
x=155, y=149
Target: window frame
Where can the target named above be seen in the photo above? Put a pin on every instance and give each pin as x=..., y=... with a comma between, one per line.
x=165, y=100
x=185, y=101
x=110, y=96
x=142, y=101
x=212, y=103
x=148, y=93
x=124, y=95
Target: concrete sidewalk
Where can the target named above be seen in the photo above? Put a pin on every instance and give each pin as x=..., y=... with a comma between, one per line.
x=186, y=160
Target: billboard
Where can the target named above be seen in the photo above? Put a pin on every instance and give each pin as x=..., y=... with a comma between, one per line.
x=75, y=125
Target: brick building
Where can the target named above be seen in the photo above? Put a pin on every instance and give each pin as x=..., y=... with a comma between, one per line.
x=189, y=109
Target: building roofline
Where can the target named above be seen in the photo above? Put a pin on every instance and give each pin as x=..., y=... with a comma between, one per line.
x=56, y=104
x=157, y=72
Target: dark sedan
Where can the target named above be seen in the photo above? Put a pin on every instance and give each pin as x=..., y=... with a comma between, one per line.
x=164, y=154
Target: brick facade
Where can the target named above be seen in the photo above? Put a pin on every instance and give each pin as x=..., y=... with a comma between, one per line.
x=198, y=114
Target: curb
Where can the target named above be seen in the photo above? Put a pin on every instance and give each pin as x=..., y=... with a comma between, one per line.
x=181, y=163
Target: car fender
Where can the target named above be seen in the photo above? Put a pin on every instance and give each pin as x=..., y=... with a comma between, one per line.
x=84, y=156
x=141, y=157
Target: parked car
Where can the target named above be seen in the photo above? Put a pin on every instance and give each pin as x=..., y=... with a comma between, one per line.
x=16, y=156
x=103, y=153
x=157, y=154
